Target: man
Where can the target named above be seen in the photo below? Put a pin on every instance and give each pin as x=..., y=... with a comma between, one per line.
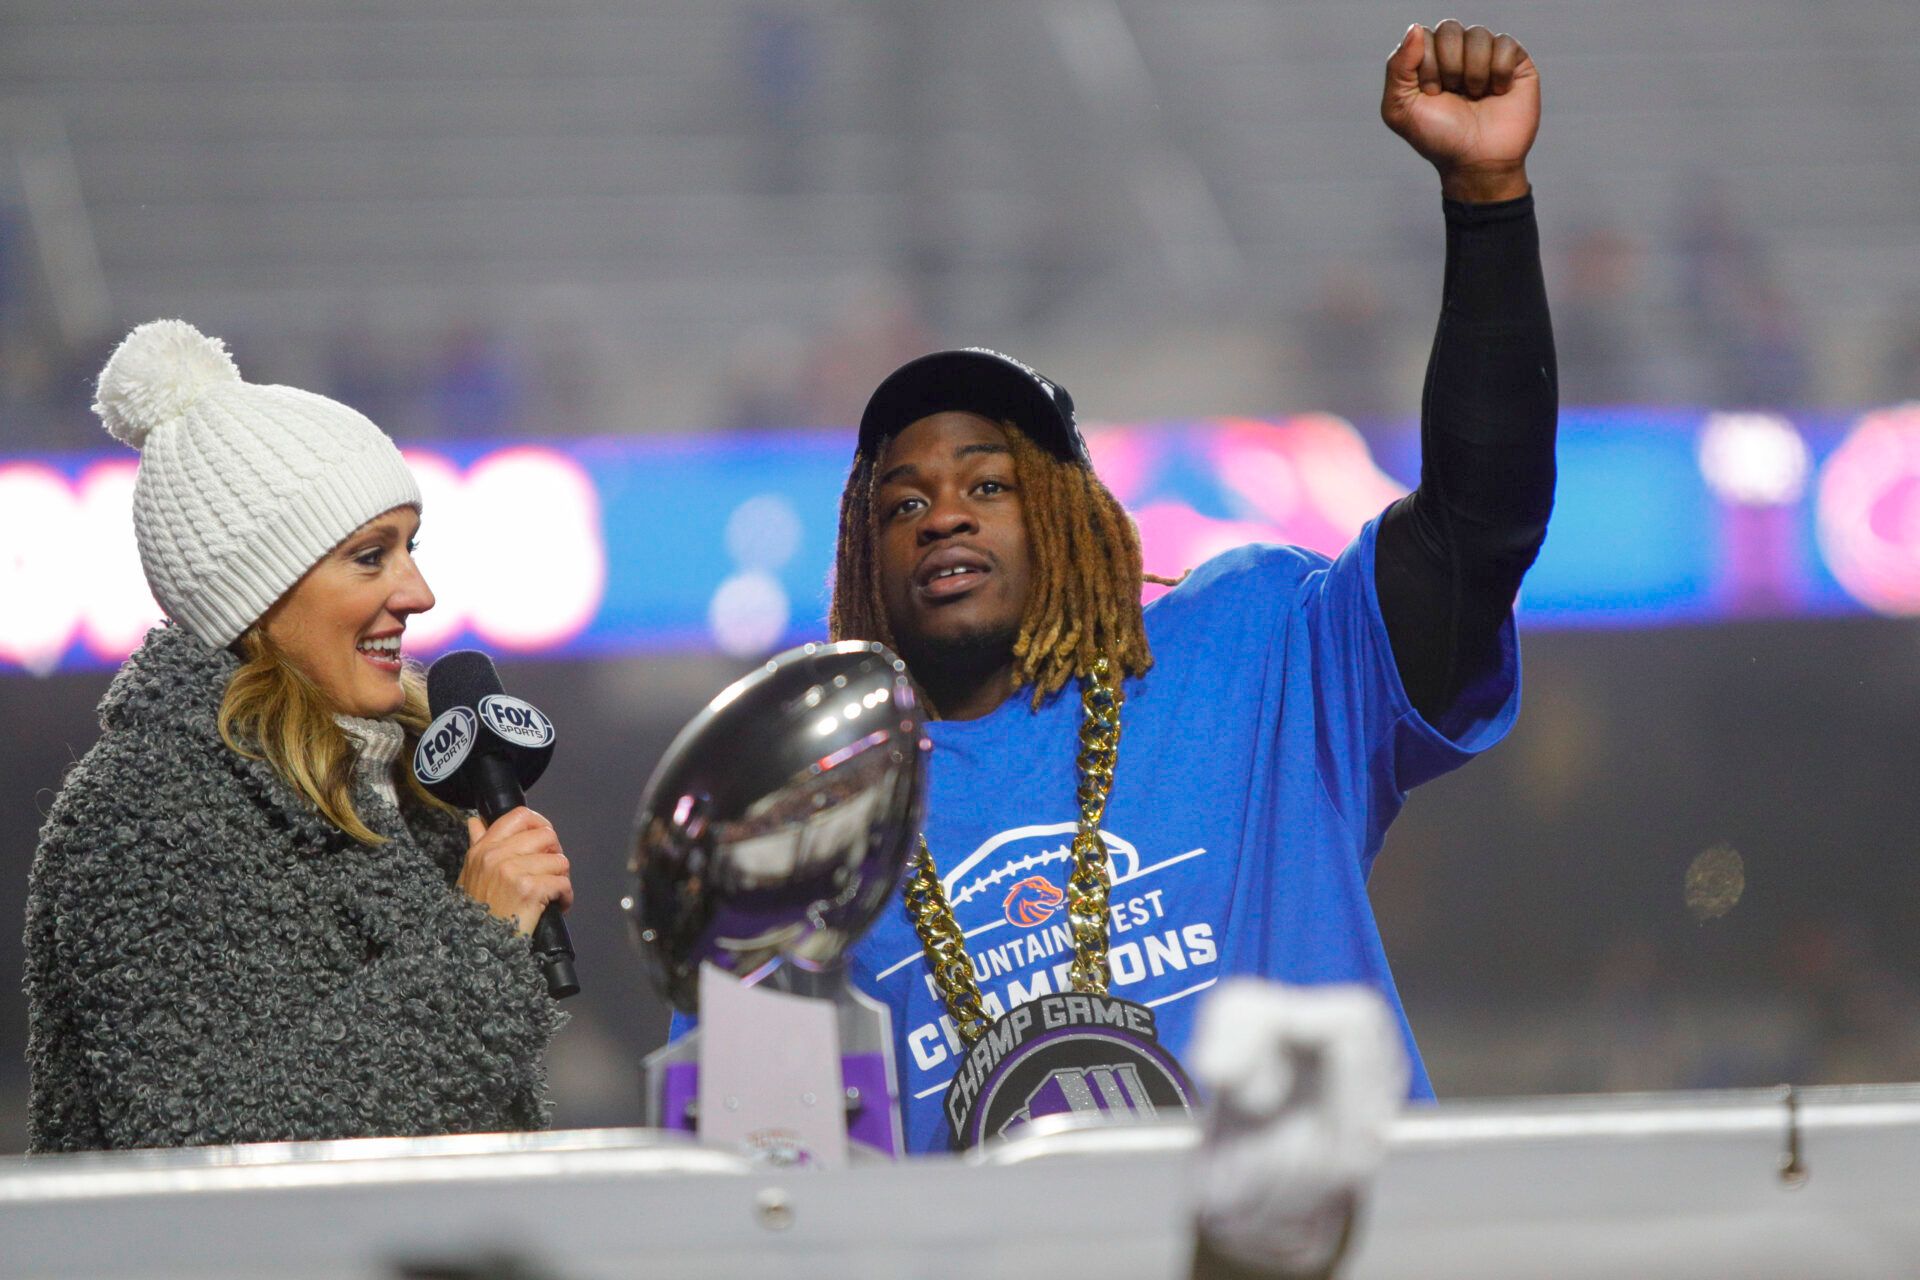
x=1211, y=801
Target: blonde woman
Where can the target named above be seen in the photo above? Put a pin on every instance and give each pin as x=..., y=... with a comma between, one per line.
x=246, y=921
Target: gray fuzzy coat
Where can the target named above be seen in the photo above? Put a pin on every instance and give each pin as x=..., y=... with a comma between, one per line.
x=209, y=960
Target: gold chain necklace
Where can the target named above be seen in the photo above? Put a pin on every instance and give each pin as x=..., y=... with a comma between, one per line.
x=932, y=914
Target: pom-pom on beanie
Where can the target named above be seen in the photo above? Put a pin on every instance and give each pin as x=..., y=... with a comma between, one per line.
x=242, y=488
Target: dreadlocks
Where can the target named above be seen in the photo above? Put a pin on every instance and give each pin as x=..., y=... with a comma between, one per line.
x=1085, y=603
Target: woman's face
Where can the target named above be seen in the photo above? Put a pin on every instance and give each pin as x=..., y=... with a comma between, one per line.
x=340, y=625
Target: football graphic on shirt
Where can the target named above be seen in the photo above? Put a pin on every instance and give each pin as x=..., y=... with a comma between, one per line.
x=1032, y=900
x=1023, y=853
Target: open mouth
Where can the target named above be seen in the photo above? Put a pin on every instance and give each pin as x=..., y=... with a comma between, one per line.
x=382, y=651
x=953, y=582
x=950, y=572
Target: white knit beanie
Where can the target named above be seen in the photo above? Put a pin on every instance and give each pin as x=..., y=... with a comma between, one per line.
x=242, y=488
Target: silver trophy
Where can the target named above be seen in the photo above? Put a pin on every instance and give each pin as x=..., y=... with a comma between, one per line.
x=775, y=829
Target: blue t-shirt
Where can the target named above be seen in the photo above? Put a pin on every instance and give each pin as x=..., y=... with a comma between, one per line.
x=1261, y=760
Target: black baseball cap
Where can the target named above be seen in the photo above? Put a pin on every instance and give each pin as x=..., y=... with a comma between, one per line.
x=974, y=380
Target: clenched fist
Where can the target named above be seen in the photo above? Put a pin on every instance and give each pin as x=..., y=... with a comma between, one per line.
x=1469, y=101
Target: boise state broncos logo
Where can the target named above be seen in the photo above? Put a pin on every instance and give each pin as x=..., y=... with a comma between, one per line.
x=1032, y=900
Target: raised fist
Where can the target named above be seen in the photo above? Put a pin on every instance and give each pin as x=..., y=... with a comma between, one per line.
x=1469, y=101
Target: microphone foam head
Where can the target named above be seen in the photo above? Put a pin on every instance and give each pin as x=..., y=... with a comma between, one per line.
x=461, y=679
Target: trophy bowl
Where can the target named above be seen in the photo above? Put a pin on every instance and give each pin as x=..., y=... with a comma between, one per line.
x=780, y=820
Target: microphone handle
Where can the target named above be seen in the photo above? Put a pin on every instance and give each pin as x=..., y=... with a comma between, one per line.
x=497, y=792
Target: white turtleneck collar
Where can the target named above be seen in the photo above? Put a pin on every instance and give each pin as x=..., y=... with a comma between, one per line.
x=376, y=745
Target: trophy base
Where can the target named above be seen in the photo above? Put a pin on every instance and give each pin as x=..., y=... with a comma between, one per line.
x=797, y=1070
x=863, y=1079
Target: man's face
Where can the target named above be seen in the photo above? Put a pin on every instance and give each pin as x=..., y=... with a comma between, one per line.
x=955, y=566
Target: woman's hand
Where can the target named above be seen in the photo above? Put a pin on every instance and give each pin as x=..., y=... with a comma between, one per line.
x=515, y=867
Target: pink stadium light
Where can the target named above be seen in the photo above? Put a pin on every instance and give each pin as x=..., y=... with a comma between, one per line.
x=1869, y=511
x=513, y=549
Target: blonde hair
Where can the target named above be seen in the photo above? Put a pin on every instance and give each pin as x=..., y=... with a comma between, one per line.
x=271, y=711
x=1085, y=603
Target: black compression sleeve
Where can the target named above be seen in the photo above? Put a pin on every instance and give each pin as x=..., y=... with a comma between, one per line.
x=1451, y=554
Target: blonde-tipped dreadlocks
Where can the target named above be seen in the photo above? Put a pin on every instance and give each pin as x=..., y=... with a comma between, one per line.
x=1086, y=555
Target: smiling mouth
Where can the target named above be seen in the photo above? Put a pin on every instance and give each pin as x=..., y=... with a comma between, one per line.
x=383, y=651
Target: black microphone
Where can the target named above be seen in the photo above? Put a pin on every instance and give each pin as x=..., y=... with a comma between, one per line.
x=482, y=751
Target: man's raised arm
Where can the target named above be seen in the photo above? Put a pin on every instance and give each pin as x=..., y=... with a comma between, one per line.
x=1451, y=554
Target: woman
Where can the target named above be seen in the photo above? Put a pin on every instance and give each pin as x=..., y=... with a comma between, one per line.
x=246, y=921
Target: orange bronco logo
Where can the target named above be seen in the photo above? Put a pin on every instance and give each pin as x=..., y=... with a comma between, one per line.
x=1032, y=900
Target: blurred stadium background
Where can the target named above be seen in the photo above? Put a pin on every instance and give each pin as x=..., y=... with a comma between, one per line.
x=638, y=265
